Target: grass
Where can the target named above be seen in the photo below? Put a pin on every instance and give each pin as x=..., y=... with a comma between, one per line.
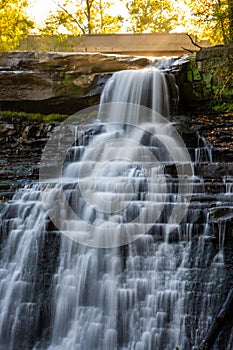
x=35, y=116
x=224, y=107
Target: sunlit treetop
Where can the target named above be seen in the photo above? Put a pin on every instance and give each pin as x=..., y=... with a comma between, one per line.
x=211, y=19
x=83, y=17
x=151, y=16
x=14, y=23
x=206, y=19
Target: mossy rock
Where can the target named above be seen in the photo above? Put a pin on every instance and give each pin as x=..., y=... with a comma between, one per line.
x=216, y=68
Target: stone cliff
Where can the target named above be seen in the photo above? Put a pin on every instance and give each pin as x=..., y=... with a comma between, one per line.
x=205, y=79
x=50, y=82
x=65, y=82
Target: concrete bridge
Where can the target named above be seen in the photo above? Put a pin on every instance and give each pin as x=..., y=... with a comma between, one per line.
x=151, y=44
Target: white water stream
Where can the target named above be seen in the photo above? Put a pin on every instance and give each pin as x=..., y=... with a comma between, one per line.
x=134, y=281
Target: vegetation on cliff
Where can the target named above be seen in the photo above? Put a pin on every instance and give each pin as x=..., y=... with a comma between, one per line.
x=49, y=118
x=210, y=73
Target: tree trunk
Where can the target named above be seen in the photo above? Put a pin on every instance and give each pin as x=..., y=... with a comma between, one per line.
x=230, y=14
x=89, y=3
x=221, y=22
x=224, y=314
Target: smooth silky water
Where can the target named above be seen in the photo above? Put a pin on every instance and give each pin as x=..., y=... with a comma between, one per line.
x=110, y=255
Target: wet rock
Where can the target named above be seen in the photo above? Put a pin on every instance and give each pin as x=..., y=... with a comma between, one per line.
x=221, y=213
x=21, y=144
x=6, y=129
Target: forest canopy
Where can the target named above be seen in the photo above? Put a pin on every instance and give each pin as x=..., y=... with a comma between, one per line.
x=206, y=19
x=15, y=23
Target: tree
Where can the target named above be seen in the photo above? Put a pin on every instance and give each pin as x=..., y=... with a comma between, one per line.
x=151, y=16
x=83, y=17
x=14, y=23
x=230, y=19
x=211, y=19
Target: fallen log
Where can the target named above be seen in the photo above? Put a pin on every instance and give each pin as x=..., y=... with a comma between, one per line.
x=224, y=314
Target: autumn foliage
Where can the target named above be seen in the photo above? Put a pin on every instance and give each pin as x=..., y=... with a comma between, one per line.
x=14, y=23
x=206, y=19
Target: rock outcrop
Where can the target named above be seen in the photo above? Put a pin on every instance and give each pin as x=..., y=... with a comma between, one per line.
x=61, y=82
x=205, y=79
x=65, y=82
x=21, y=143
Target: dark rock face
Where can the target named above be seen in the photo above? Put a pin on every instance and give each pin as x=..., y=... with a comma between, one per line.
x=206, y=79
x=21, y=144
x=57, y=82
x=22, y=141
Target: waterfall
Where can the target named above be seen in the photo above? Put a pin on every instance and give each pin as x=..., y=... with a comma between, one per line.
x=203, y=152
x=108, y=251
x=138, y=87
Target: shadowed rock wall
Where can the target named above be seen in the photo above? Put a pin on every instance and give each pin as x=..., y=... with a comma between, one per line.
x=206, y=79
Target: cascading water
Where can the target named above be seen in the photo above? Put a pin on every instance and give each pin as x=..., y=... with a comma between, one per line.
x=203, y=152
x=140, y=279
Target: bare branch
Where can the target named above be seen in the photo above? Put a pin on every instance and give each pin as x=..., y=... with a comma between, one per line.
x=71, y=16
x=193, y=42
x=190, y=51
